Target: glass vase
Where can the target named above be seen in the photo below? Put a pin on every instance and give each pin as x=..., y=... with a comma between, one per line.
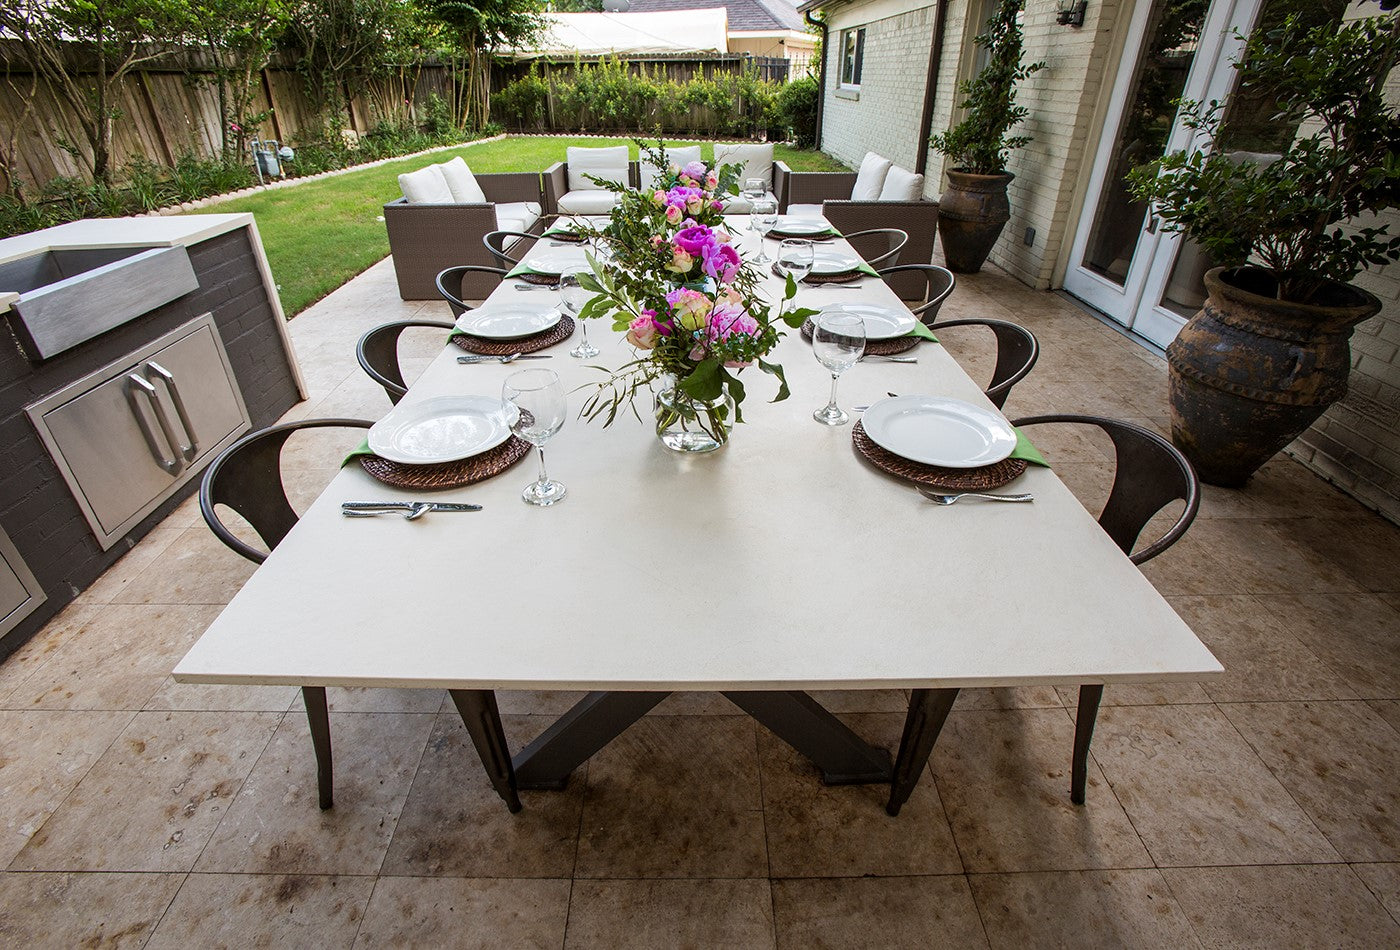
x=686, y=424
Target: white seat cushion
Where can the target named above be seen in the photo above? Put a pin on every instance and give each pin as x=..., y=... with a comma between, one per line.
x=682, y=156
x=609, y=164
x=738, y=204
x=462, y=183
x=592, y=201
x=757, y=160
x=805, y=211
x=902, y=185
x=516, y=215
x=426, y=186
x=871, y=178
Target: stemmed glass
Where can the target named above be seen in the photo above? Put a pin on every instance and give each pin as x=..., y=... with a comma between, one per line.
x=838, y=340
x=573, y=296
x=539, y=397
x=763, y=218
x=795, y=258
x=754, y=188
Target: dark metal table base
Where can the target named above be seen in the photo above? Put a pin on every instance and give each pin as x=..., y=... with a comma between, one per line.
x=843, y=757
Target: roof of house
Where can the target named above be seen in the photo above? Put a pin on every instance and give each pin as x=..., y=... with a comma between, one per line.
x=631, y=33
x=745, y=16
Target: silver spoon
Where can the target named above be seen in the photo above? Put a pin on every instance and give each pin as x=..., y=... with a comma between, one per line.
x=943, y=499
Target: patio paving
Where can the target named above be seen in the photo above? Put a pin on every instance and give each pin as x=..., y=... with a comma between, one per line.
x=1261, y=809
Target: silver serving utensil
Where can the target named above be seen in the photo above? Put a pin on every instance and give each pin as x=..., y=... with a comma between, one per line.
x=944, y=499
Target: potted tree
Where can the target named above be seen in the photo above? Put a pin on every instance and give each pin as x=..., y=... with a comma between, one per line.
x=974, y=208
x=1270, y=350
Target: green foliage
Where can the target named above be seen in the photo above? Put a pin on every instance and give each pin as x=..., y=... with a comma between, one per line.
x=343, y=44
x=795, y=108
x=981, y=142
x=1287, y=214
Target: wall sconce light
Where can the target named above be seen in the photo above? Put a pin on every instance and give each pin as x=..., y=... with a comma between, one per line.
x=1072, y=12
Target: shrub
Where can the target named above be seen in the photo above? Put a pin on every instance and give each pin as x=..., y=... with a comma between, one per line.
x=795, y=109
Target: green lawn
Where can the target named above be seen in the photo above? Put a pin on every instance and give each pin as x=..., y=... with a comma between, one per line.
x=320, y=234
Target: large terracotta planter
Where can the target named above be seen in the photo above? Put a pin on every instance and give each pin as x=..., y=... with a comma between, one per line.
x=971, y=215
x=1250, y=373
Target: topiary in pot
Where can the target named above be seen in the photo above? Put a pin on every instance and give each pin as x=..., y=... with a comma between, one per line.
x=974, y=209
x=1270, y=350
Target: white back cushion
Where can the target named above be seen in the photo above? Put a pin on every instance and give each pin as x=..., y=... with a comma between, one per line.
x=462, y=183
x=871, y=178
x=609, y=164
x=902, y=185
x=426, y=186
x=756, y=159
x=681, y=156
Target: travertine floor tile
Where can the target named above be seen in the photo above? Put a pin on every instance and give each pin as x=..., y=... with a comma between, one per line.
x=1081, y=909
x=1139, y=694
x=816, y=830
x=153, y=799
x=465, y=912
x=46, y=756
x=1197, y=793
x=1265, y=557
x=1337, y=760
x=675, y=796
x=82, y=910
x=454, y=823
x=132, y=563
x=685, y=915
x=1005, y=777
x=1354, y=634
x=1364, y=545
x=196, y=696
x=263, y=910
x=914, y=912
x=1383, y=880
x=357, y=699
x=195, y=569
x=1010, y=697
x=20, y=665
x=1387, y=709
x=274, y=825
x=1282, y=907
x=554, y=702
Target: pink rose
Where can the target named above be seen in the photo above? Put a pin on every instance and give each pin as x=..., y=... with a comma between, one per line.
x=711, y=181
x=722, y=236
x=693, y=205
x=673, y=214
x=681, y=261
x=659, y=197
x=642, y=333
x=717, y=205
x=691, y=307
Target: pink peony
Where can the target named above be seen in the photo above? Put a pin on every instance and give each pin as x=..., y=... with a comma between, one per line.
x=695, y=170
x=726, y=320
x=717, y=205
x=722, y=236
x=722, y=262
x=694, y=239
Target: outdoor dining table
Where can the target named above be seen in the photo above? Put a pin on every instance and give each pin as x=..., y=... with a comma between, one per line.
x=780, y=564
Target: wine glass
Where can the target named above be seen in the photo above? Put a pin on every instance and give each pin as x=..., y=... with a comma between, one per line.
x=795, y=258
x=539, y=397
x=838, y=340
x=573, y=296
x=754, y=188
x=763, y=219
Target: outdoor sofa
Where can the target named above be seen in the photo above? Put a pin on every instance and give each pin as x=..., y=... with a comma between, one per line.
x=569, y=190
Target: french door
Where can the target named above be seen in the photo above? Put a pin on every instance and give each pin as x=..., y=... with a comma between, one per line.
x=1121, y=262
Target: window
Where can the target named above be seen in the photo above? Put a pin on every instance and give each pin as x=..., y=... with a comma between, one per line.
x=852, y=55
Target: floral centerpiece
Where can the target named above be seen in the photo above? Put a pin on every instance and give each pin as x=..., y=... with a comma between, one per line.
x=678, y=286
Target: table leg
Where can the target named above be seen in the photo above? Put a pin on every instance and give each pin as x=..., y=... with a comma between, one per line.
x=1089, y=697
x=594, y=721
x=799, y=720
x=314, y=699
x=477, y=708
x=928, y=710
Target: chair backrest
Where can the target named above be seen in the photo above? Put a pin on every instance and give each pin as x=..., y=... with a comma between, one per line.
x=681, y=155
x=247, y=477
x=378, y=353
x=608, y=163
x=496, y=242
x=449, y=284
x=938, y=285
x=1017, y=351
x=879, y=246
x=756, y=159
x=1150, y=475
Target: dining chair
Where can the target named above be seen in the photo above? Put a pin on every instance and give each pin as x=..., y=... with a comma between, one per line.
x=496, y=242
x=1149, y=474
x=449, y=284
x=378, y=353
x=1017, y=351
x=938, y=284
x=879, y=247
x=246, y=478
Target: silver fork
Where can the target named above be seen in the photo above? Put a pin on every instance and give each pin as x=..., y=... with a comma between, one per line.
x=877, y=358
x=509, y=358
x=953, y=499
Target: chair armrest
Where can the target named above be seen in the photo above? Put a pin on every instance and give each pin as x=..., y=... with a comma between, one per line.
x=512, y=186
x=556, y=183
x=780, y=184
x=813, y=188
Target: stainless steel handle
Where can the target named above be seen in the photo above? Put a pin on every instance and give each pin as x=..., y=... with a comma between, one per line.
x=137, y=386
x=191, y=448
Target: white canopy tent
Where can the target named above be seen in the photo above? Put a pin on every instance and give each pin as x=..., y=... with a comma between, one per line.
x=600, y=34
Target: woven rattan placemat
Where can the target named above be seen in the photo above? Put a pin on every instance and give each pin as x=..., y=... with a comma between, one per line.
x=899, y=344
x=447, y=474
x=951, y=479
x=850, y=277
x=558, y=333
x=814, y=238
x=549, y=279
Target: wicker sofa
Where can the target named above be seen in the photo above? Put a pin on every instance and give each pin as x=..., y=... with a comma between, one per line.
x=426, y=239
x=831, y=191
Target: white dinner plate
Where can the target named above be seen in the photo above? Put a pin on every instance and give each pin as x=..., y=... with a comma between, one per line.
x=828, y=260
x=936, y=430
x=556, y=260
x=441, y=429
x=507, y=321
x=881, y=323
x=800, y=226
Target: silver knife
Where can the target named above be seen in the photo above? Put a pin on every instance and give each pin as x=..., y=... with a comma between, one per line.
x=405, y=506
x=499, y=359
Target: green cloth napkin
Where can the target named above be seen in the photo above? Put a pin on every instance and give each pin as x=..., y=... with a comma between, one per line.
x=922, y=331
x=362, y=450
x=519, y=269
x=867, y=269
x=557, y=231
x=1025, y=450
